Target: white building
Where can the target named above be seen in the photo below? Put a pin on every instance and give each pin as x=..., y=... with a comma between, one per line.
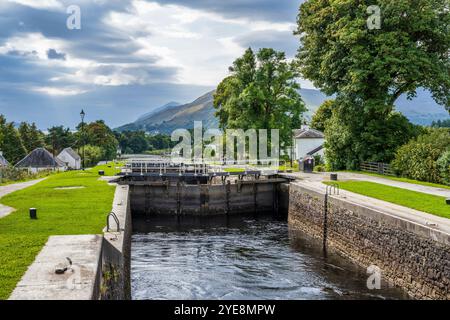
x=308, y=142
x=70, y=158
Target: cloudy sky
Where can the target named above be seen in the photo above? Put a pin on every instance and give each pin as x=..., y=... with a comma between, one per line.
x=130, y=55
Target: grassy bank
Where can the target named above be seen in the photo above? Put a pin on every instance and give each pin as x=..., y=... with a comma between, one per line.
x=60, y=212
x=412, y=199
x=423, y=183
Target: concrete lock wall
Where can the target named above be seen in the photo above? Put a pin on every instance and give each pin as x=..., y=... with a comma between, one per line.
x=116, y=250
x=205, y=199
x=411, y=256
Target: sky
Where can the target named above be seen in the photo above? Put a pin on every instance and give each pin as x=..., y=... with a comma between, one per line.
x=129, y=56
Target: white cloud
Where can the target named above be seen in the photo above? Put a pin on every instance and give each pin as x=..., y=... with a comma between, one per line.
x=40, y=4
x=53, y=91
x=164, y=43
x=200, y=44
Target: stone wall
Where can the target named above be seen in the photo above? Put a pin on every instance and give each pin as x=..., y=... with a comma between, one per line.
x=116, y=251
x=411, y=256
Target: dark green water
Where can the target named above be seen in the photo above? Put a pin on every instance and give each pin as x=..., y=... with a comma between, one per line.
x=241, y=258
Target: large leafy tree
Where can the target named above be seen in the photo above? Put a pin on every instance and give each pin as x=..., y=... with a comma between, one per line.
x=260, y=93
x=367, y=70
x=411, y=49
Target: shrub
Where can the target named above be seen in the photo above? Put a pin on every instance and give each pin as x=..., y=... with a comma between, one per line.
x=320, y=168
x=93, y=155
x=443, y=164
x=11, y=174
x=418, y=158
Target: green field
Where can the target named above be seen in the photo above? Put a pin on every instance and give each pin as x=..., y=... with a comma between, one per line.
x=423, y=183
x=60, y=212
x=412, y=199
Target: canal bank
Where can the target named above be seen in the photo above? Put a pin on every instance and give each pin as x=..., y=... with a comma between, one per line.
x=411, y=248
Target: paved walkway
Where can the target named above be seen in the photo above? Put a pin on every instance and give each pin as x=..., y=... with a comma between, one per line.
x=10, y=188
x=357, y=176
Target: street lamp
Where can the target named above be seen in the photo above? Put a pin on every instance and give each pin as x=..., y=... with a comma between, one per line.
x=82, y=114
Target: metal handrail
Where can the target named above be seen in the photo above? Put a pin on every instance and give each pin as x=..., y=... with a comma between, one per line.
x=116, y=219
x=333, y=187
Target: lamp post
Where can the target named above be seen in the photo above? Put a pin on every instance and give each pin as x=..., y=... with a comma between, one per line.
x=82, y=114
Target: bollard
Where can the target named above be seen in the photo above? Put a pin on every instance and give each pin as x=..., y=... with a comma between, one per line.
x=33, y=213
x=447, y=201
x=333, y=176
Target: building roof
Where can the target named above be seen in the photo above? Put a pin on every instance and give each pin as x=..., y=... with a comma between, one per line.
x=3, y=161
x=72, y=153
x=307, y=133
x=40, y=158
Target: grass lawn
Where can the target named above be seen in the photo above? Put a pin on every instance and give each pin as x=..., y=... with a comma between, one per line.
x=423, y=183
x=412, y=199
x=60, y=212
x=110, y=168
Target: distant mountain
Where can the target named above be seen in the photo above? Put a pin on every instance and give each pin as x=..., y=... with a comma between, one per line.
x=174, y=117
x=421, y=110
x=159, y=109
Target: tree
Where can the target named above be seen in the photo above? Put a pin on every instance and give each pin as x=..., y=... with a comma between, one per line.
x=441, y=124
x=260, y=93
x=11, y=144
x=368, y=70
x=322, y=115
x=31, y=136
x=99, y=134
x=353, y=137
x=342, y=56
x=59, y=138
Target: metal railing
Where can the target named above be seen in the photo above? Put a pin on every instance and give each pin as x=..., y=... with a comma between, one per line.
x=116, y=219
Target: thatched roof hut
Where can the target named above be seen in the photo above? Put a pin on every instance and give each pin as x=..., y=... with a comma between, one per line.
x=40, y=159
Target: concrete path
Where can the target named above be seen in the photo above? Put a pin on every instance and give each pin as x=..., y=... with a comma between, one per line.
x=79, y=282
x=10, y=188
x=357, y=176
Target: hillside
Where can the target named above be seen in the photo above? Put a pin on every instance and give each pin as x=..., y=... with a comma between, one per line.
x=176, y=116
x=422, y=110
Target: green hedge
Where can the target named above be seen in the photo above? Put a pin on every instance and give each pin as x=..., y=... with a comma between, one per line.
x=425, y=158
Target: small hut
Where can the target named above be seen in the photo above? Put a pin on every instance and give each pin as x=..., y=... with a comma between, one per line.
x=40, y=160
